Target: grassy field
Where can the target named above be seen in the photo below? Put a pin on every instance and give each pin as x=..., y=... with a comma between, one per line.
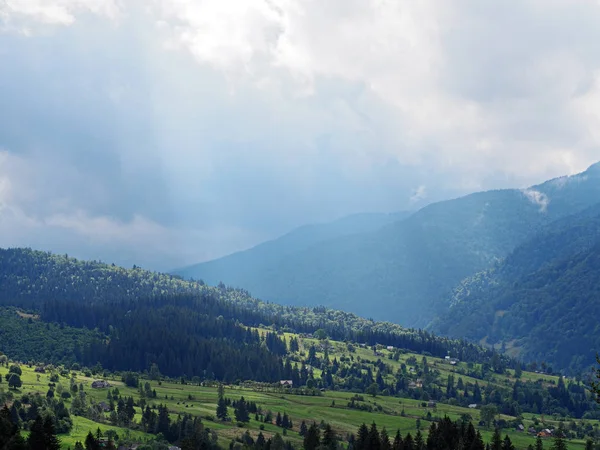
x=390, y=412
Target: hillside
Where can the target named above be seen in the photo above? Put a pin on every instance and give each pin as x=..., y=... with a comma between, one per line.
x=541, y=302
x=189, y=326
x=165, y=344
x=248, y=264
x=128, y=410
x=401, y=270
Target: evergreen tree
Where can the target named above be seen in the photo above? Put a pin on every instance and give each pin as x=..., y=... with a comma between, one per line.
x=398, y=442
x=539, y=444
x=329, y=440
x=496, y=443
x=312, y=438
x=90, y=442
x=507, y=444
x=51, y=440
x=241, y=411
x=385, y=440
x=362, y=437
x=303, y=429
x=559, y=441
x=477, y=443
x=373, y=439
x=222, y=412
x=37, y=439
x=419, y=444
x=409, y=443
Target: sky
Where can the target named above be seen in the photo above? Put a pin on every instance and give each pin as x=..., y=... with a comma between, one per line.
x=166, y=132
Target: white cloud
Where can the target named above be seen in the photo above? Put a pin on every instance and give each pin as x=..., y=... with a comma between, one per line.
x=219, y=110
x=418, y=194
x=537, y=198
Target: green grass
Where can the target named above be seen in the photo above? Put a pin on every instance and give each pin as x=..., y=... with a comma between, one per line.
x=344, y=420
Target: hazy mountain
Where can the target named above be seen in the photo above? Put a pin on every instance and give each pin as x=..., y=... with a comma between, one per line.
x=247, y=265
x=398, y=272
x=542, y=300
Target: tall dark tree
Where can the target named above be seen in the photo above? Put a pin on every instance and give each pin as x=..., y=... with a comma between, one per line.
x=241, y=411
x=222, y=412
x=51, y=441
x=329, y=440
x=398, y=442
x=37, y=438
x=312, y=438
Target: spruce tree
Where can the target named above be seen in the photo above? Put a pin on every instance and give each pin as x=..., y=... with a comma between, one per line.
x=50, y=438
x=303, y=429
x=539, y=444
x=496, y=443
x=312, y=438
x=222, y=412
x=507, y=444
x=398, y=442
x=419, y=444
x=36, y=439
x=373, y=440
x=477, y=443
x=362, y=437
x=329, y=440
x=409, y=444
x=241, y=411
x=559, y=441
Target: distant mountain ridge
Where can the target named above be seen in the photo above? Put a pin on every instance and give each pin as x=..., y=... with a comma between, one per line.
x=401, y=270
x=297, y=240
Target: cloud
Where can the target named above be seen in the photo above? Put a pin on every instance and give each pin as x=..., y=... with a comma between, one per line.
x=537, y=198
x=418, y=194
x=178, y=120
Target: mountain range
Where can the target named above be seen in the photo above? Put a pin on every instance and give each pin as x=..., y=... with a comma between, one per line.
x=401, y=267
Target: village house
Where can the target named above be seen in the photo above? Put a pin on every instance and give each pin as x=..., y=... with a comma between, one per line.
x=99, y=384
x=39, y=369
x=286, y=383
x=390, y=347
x=431, y=404
x=473, y=405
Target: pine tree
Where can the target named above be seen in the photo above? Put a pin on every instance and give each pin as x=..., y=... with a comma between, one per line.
x=373, y=440
x=241, y=411
x=398, y=442
x=222, y=412
x=329, y=440
x=51, y=440
x=477, y=443
x=539, y=444
x=385, y=440
x=559, y=441
x=362, y=437
x=496, y=440
x=507, y=444
x=409, y=443
x=419, y=444
x=303, y=429
x=36, y=439
x=90, y=442
x=312, y=438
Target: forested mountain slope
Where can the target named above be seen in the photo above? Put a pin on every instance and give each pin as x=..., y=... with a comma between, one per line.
x=542, y=301
x=249, y=264
x=190, y=327
x=401, y=270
